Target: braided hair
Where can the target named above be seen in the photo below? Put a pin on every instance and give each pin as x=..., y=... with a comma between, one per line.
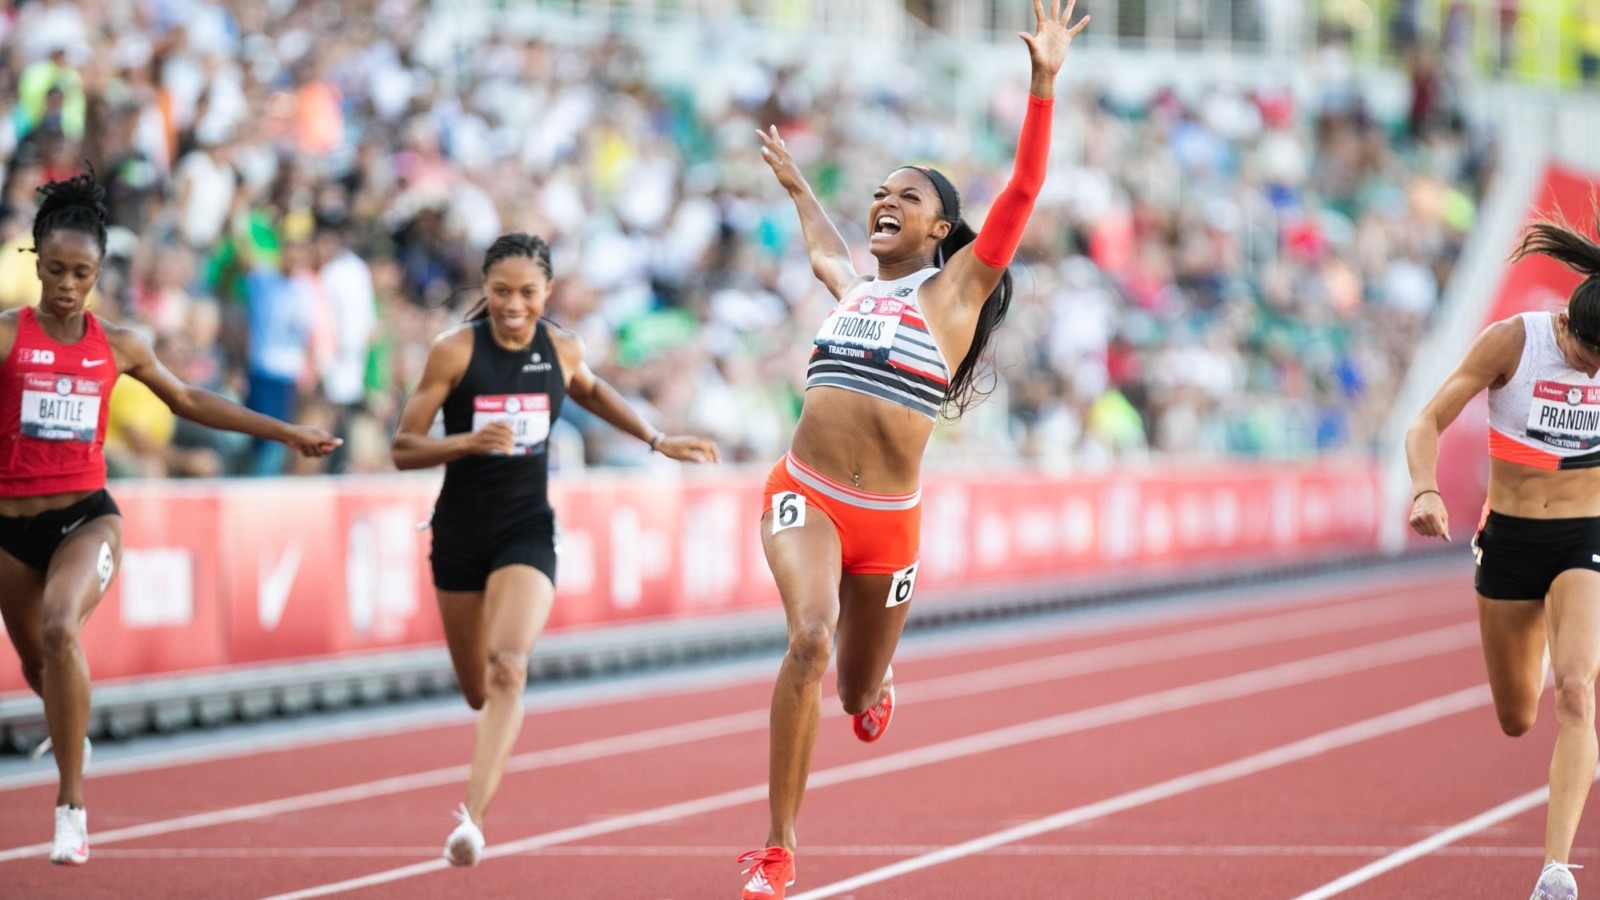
x=506, y=246
x=72, y=204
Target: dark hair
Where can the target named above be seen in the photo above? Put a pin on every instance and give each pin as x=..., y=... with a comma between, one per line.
x=517, y=243
x=963, y=391
x=73, y=204
x=1560, y=240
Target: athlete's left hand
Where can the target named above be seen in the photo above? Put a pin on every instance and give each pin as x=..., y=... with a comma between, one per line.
x=688, y=448
x=1047, y=47
x=313, y=442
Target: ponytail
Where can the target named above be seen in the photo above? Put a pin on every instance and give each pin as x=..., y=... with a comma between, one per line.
x=963, y=391
x=1560, y=240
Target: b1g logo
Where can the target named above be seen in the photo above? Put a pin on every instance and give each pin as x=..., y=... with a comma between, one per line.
x=38, y=357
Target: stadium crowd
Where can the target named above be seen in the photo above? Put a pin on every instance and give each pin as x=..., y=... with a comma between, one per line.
x=301, y=199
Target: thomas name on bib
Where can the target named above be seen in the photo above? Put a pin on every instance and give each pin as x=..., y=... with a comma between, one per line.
x=863, y=328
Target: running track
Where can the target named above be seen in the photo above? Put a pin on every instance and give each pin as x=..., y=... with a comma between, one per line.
x=1331, y=739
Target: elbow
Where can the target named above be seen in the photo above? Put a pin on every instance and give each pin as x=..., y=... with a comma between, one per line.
x=402, y=460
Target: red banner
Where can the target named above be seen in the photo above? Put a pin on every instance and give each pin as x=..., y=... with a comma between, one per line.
x=253, y=571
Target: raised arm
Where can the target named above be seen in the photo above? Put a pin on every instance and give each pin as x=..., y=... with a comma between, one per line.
x=137, y=360
x=414, y=447
x=974, y=270
x=830, y=256
x=1490, y=362
x=593, y=394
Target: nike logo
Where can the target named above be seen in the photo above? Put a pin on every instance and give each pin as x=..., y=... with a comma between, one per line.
x=91, y=363
x=272, y=591
x=68, y=529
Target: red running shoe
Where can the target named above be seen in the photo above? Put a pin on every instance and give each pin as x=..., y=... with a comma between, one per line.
x=771, y=870
x=871, y=724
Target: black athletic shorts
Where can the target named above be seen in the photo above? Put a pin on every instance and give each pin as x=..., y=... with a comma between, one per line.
x=34, y=539
x=470, y=543
x=1518, y=558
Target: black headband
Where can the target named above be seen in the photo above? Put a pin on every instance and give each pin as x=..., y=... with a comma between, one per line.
x=948, y=197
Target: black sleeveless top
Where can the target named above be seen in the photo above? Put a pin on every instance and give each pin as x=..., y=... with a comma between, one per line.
x=523, y=387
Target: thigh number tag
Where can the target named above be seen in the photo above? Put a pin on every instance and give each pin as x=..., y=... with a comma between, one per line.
x=902, y=584
x=788, y=511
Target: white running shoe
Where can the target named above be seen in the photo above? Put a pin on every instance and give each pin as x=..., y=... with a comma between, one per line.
x=45, y=745
x=464, y=845
x=71, y=846
x=1556, y=883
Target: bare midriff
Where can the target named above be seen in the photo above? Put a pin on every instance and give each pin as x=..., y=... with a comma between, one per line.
x=1529, y=493
x=861, y=441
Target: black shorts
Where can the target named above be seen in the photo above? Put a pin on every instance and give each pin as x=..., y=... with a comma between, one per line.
x=34, y=539
x=1518, y=558
x=470, y=544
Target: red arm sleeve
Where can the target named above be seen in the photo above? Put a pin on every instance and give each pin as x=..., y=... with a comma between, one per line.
x=1002, y=230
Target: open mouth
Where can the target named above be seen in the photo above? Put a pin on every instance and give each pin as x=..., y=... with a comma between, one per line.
x=886, y=226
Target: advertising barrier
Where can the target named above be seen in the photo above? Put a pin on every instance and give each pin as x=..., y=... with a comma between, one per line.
x=223, y=573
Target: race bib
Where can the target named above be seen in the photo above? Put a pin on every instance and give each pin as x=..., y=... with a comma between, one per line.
x=527, y=414
x=1566, y=416
x=862, y=329
x=60, y=407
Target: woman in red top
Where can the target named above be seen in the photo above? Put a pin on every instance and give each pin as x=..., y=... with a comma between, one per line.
x=60, y=531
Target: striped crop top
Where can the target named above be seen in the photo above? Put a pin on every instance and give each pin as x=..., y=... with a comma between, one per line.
x=1547, y=415
x=876, y=342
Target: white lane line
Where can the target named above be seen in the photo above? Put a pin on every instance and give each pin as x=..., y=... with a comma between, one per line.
x=1316, y=745
x=1384, y=608
x=1487, y=819
x=720, y=851
x=1245, y=684
x=1145, y=651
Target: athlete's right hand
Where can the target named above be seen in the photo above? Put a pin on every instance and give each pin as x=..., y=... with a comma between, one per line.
x=777, y=156
x=494, y=438
x=1428, y=516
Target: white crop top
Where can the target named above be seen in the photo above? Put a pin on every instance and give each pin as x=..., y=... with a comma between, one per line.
x=1548, y=415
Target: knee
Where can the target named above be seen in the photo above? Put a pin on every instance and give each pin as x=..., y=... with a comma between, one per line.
x=474, y=696
x=508, y=672
x=1574, y=697
x=810, y=647
x=60, y=636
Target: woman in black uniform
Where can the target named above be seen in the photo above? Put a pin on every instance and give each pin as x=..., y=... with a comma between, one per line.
x=501, y=379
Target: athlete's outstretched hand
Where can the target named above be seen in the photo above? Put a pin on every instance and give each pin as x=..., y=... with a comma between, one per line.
x=312, y=442
x=777, y=156
x=1048, y=45
x=688, y=448
x=1429, y=517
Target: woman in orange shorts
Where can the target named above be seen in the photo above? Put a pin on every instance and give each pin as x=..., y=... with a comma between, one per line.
x=842, y=513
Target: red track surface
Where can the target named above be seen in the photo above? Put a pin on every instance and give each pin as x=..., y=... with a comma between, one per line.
x=1230, y=749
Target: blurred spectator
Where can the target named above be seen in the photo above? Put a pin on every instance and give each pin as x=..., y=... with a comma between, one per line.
x=301, y=192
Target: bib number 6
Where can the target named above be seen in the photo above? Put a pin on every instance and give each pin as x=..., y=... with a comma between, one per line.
x=901, y=585
x=788, y=511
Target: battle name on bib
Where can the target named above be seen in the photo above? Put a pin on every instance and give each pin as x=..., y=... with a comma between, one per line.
x=60, y=407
